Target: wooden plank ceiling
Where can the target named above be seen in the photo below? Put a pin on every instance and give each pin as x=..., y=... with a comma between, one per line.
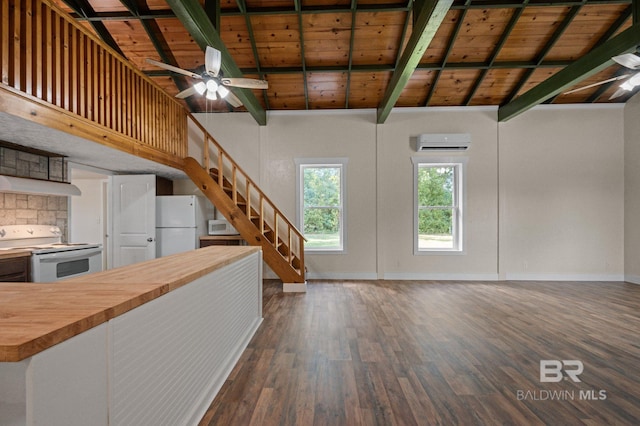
x=341, y=54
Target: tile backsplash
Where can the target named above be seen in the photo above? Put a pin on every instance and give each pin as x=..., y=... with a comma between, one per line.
x=28, y=209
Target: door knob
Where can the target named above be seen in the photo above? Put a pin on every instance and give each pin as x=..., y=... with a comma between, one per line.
x=150, y=239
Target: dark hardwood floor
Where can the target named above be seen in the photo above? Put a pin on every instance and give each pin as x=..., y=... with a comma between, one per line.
x=422, y=353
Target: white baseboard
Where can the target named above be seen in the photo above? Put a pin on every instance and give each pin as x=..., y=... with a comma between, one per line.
x=633, y=279
x=342, y=276
x=294, y=287
x=440, y=277
x=564, y=277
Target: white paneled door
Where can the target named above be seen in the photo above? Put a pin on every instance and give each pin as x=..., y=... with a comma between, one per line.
x=133, y=218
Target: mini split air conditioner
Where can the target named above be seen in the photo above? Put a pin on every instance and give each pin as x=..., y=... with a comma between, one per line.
x=443, y=142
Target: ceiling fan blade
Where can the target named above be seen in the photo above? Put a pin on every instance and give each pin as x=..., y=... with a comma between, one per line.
x=172, y=68
x=212, y=61
x=628, y=60
x=233, y=100
x=186, y=93
x=247, y=83
x=620, y=77
x=618, y=93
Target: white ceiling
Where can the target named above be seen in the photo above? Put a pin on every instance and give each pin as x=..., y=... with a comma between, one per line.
x=80, y=151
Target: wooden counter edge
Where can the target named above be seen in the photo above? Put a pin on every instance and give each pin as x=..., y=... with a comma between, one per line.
x=10, y=254
x=19, y=352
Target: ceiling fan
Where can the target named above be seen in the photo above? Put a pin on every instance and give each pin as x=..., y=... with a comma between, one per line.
x=627, y=60
x=213, y=84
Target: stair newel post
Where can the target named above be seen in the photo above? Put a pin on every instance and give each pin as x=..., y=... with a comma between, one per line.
x=301, y=252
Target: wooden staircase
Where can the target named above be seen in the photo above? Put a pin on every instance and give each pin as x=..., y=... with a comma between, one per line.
x=250, y=211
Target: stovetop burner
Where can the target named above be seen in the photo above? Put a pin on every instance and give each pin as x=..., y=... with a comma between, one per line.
x=38, y=238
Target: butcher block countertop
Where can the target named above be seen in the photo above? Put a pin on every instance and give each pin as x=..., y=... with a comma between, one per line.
x=36, y=316
x=8, y=254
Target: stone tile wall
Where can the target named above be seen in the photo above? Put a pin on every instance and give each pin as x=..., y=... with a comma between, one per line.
x=24, y=164
x=28, y=209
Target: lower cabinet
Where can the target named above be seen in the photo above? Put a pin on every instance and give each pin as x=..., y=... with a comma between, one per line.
x=221, y=240
x=15, y=269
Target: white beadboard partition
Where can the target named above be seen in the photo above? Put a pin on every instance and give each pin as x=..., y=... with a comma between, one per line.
x=170, y=357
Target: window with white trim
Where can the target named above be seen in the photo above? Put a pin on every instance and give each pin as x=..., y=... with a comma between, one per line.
x=321, y=214
x=438, y=195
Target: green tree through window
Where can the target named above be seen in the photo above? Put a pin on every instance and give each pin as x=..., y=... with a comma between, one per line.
x=322, y=206
x=438, y=207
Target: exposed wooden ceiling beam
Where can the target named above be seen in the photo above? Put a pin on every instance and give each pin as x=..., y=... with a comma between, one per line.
x=496, y=51
x=352, y=37
x=159, y=43
x=83, y=8
x=200, y=27
x=372, y=8
x=256, y=57
x=445, y=59
x=298, y=5
x=427, y=20
x=545, y=50
x=391, y=67
x=588, y=65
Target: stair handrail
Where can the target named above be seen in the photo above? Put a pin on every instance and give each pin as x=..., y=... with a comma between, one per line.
x=222, y=153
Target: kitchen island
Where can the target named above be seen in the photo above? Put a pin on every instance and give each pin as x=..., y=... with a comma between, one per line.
x=150, y=343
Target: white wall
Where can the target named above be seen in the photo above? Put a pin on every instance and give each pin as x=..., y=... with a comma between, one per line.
x=395, y=193
x=86, y=224
x=545, y=191
x=562, y=194
x=632, y=190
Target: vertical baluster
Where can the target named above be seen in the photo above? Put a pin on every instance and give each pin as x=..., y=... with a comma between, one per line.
x=205, y=153
x=65, y=65
x=234, y=184
x=4, y=42
x=58, y=60
x=38, y=69
x=290, y=241
x=48, y=66
x=275, y=228
x=101, y=86
x=220, y=170
x=15, y=75
x=261, y=213
x=82, y=83
x=248, y=212
x=108, y=117
x=27, y=48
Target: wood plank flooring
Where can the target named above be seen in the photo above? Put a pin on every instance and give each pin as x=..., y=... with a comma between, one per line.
x=423, y=353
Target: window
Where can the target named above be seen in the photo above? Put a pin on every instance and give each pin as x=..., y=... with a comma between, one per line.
x=321, y=212
x=438, y=206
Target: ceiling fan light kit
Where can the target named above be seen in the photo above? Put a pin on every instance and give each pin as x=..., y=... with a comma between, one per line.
x=200, y=87
x=212, y=83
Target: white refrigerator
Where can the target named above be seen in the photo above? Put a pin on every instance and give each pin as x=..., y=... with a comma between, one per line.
x=180, y=222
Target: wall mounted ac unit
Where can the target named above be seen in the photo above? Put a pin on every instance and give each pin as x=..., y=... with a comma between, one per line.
x=443, y=142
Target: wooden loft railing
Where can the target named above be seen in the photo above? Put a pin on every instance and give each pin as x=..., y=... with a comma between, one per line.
x=49, y=59
x=244, y=204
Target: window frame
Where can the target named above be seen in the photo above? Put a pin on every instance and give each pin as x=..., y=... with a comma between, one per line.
x=341, y=163
x=459, y=197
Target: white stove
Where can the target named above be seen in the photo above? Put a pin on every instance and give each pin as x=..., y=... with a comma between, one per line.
x=51, y=259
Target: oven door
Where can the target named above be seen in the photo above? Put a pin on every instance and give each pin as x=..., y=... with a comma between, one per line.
x=48, y=267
